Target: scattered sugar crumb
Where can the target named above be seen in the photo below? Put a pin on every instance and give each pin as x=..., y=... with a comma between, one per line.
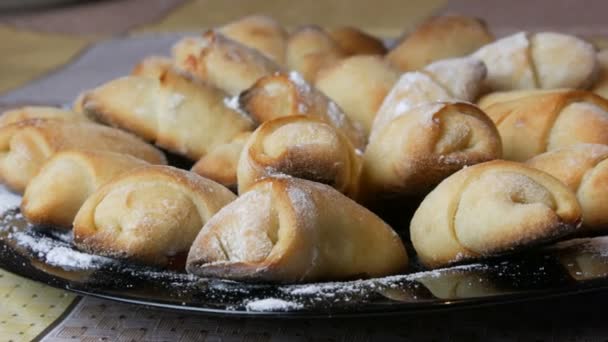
x=272, y=304
x=299, y=81
x=8, y=200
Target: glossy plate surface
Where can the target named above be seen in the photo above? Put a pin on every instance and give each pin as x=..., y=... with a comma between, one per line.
x=570, y=267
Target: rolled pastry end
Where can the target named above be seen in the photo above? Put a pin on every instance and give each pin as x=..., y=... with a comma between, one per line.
x=490, y=209
x=283, y=230
x=149, y=215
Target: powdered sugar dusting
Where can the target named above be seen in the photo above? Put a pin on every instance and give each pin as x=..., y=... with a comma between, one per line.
x=299, y=81
x=272, y=304
x=234, y=104
x=175, y=100
x=8, y=200
x=302, y=201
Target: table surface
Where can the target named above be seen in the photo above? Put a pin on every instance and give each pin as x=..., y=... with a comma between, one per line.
x=37, y=46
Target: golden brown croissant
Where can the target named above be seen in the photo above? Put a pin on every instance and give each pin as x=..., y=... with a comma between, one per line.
x=446, y=80
x=152, y=66
x=177, y=113
x=222, y=62
x=353, y=41
x=418, y=149
x=221, y=162
x=540, y=121
x=584, y=169
x=150, y=215
x=491, y=208
x=259, y=32
x=543, y=60
x=54, y=195
x=293, y=230
x=281, y=95
x=439, y=38
x=303, y=147
x=358, y=84
x=39, y=112
x=26, y=145
x=309, y=49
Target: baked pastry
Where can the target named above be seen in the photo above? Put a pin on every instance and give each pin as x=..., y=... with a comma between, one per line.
x=50, y=200
x=358, y=84
x=152, y=66
x=504, y=96
x=149, y=215
x=353, y=41
x=545, y=60
x=489, y=209
x=221, y=162
x=540, y=121
x=416, y=150
x=436, y=82
x=600, y=87
x=222, y=62
x=174, y=111
x=281, y=95
x=292, y=230
x=26, y=145
x=584, y=169
x=303, y=147
x=38, y=112
x=259, y=32
x=309, y=49
x=439, y=38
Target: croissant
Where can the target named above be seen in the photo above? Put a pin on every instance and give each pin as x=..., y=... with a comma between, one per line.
x=149, y=215
x=259, y=32
x=221, y=162
x=293, y=230
x=50, y=200
x=418, y=149
x=285, y=95
x=302, y=147
x=544, y=60
x=491, y=208
x=358, y=84
x=222, y=62
x=601, y=85
x=584, y=169
x=26, y=145
x=309, y=49
x=440, y=38
x=436, y=82
x=353, y=41
x=152, y=66
x=541, y=121
x=38, y=112
x=177, y=113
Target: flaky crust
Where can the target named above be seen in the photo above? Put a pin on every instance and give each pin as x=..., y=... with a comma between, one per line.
x=281, y=95
x=38, y=112
x=26, y=145
x=358, y=84
x=544, y=60
x=539, y=121
x=491, y=208
x=584, y=169
x=222, y=62
x=354, y=41
x=148, y=215
x=221, y=162
x=309, y=49
x=177, y=113
x=439, y=38
x=291, y=230
x=303, y=147
x=259, y=32
x=54, y=195
x=457, y=79
x=415, y=151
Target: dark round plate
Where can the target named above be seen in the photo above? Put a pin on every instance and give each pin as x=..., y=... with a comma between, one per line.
x=567, y=268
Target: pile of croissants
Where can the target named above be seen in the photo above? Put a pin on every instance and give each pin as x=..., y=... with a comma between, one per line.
x=502, y=143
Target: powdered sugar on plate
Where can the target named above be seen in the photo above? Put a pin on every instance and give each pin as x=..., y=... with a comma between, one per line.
x=8, y=200
x=272, y=304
